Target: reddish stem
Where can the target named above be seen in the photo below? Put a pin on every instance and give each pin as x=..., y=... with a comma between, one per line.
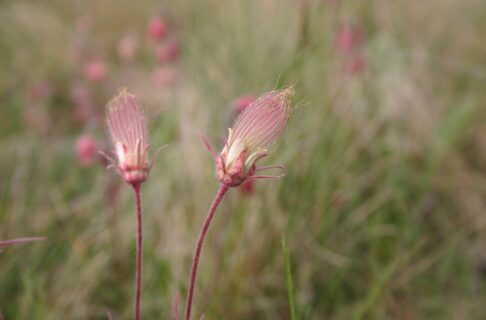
x=136, y=188
x=10, y=242
x=221, y=192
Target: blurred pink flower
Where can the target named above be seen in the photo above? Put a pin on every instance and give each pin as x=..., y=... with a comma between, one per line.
x=84, y=107
x=157, y=29
x=164, y=76
x=127, y=47
x=169, y=51
x=242, y=102
x=348, y=38
x=247, y=187
x=86, y=150
x=356, y=64
x=95, y=70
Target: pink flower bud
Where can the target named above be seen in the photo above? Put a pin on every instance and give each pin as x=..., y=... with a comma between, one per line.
x=248, y=187
x=257, y=128
x=164, y=76
x=84, y=106
x=86, y=150
x=348, y=38
x=95, y=70
x=127, y=128
x=241, y=103
x=168, y=52
x=127, y=47
x=157, y=28
x=356, y=65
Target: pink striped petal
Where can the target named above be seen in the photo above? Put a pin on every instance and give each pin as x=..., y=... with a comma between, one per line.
x=262, y=123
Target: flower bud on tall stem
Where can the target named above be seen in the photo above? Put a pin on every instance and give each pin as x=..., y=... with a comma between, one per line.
x=127, y=128
x=256, y=129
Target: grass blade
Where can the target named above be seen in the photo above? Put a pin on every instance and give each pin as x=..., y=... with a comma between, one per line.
x=290, y=285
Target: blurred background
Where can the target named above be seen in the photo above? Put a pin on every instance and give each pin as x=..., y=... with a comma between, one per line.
x=383, y=205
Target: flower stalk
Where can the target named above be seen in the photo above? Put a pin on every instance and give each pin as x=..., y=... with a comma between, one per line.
x=127, y=128
x=197, y=254
x=256, y=129
x=136, y=189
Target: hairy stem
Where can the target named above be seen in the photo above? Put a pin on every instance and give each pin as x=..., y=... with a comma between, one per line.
x=195, y=263
x=136, y=188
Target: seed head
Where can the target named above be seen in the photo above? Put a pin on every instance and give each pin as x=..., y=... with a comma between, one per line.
x=256, y=129
x=127, y=128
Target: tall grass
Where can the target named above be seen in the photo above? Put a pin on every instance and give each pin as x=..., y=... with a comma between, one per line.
x=382, y=205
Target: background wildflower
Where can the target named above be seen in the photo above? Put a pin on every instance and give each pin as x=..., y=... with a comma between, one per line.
x=95, y=70
x=86, y=150
x=157, y=28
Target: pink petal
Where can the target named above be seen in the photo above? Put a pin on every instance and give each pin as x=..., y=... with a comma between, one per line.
x=264, y=121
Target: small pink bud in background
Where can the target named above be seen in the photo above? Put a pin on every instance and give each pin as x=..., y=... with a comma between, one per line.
x=86, y=150
x=257, y=128
x=169, y=51
x=127, y=47
x=164, y=76
x=247, y=187
x=348, y=38
x=241, y=103
x=40, y=90
x=356, y=64
x=95, y=70
x=127, y=128
x=84, y=107
x=157, y=29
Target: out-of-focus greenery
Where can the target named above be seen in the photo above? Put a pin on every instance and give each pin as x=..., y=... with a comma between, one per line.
x=383, y=207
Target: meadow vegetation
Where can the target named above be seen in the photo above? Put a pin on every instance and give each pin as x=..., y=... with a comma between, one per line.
x=383, y=207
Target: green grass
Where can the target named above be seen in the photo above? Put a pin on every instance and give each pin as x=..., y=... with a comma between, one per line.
x=382, y=206
x=290, y=285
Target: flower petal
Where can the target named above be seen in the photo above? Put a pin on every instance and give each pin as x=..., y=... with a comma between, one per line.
x=263, y=122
